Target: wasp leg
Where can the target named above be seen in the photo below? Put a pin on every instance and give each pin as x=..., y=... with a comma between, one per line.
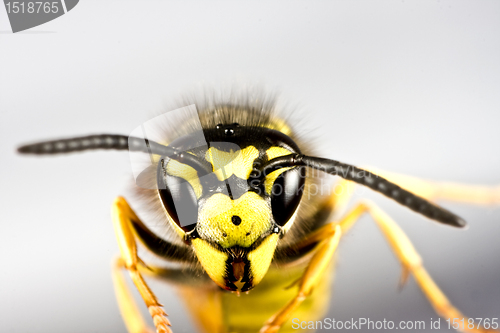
x=409, y=258
x=123, y=216
x=401, y=245
x=315, y=269
x=128, y=308
x=471, y=194
x=325, y=241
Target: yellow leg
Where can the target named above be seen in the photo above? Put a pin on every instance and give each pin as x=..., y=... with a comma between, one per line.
x=128, y=309
x=327, y=238
x=123, y=216
x=409, y=258
x=319, y=262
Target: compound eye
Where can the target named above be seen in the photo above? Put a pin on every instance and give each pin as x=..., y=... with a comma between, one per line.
x=286, y=194
x=180, y=201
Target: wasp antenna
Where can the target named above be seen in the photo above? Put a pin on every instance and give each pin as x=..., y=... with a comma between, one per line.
x=114, y=142
x=90, y=142
x=366, y=178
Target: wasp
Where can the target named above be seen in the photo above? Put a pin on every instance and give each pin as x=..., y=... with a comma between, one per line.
x=241, y=235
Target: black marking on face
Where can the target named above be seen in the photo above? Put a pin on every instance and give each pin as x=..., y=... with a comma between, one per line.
x=236, y=220
x=234, y=187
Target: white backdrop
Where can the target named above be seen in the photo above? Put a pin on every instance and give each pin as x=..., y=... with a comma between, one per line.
x=408, y=86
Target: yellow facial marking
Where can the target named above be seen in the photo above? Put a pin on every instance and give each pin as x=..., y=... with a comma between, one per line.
x=212, y=260
x=239, y=163
x=187, y=173
x=215, y=219
x=271, y=178
x=261, y=257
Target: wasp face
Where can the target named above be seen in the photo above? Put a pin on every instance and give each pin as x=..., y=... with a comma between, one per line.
x=232, y=217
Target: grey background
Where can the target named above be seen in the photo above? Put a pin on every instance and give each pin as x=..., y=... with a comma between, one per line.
x=407, y=86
